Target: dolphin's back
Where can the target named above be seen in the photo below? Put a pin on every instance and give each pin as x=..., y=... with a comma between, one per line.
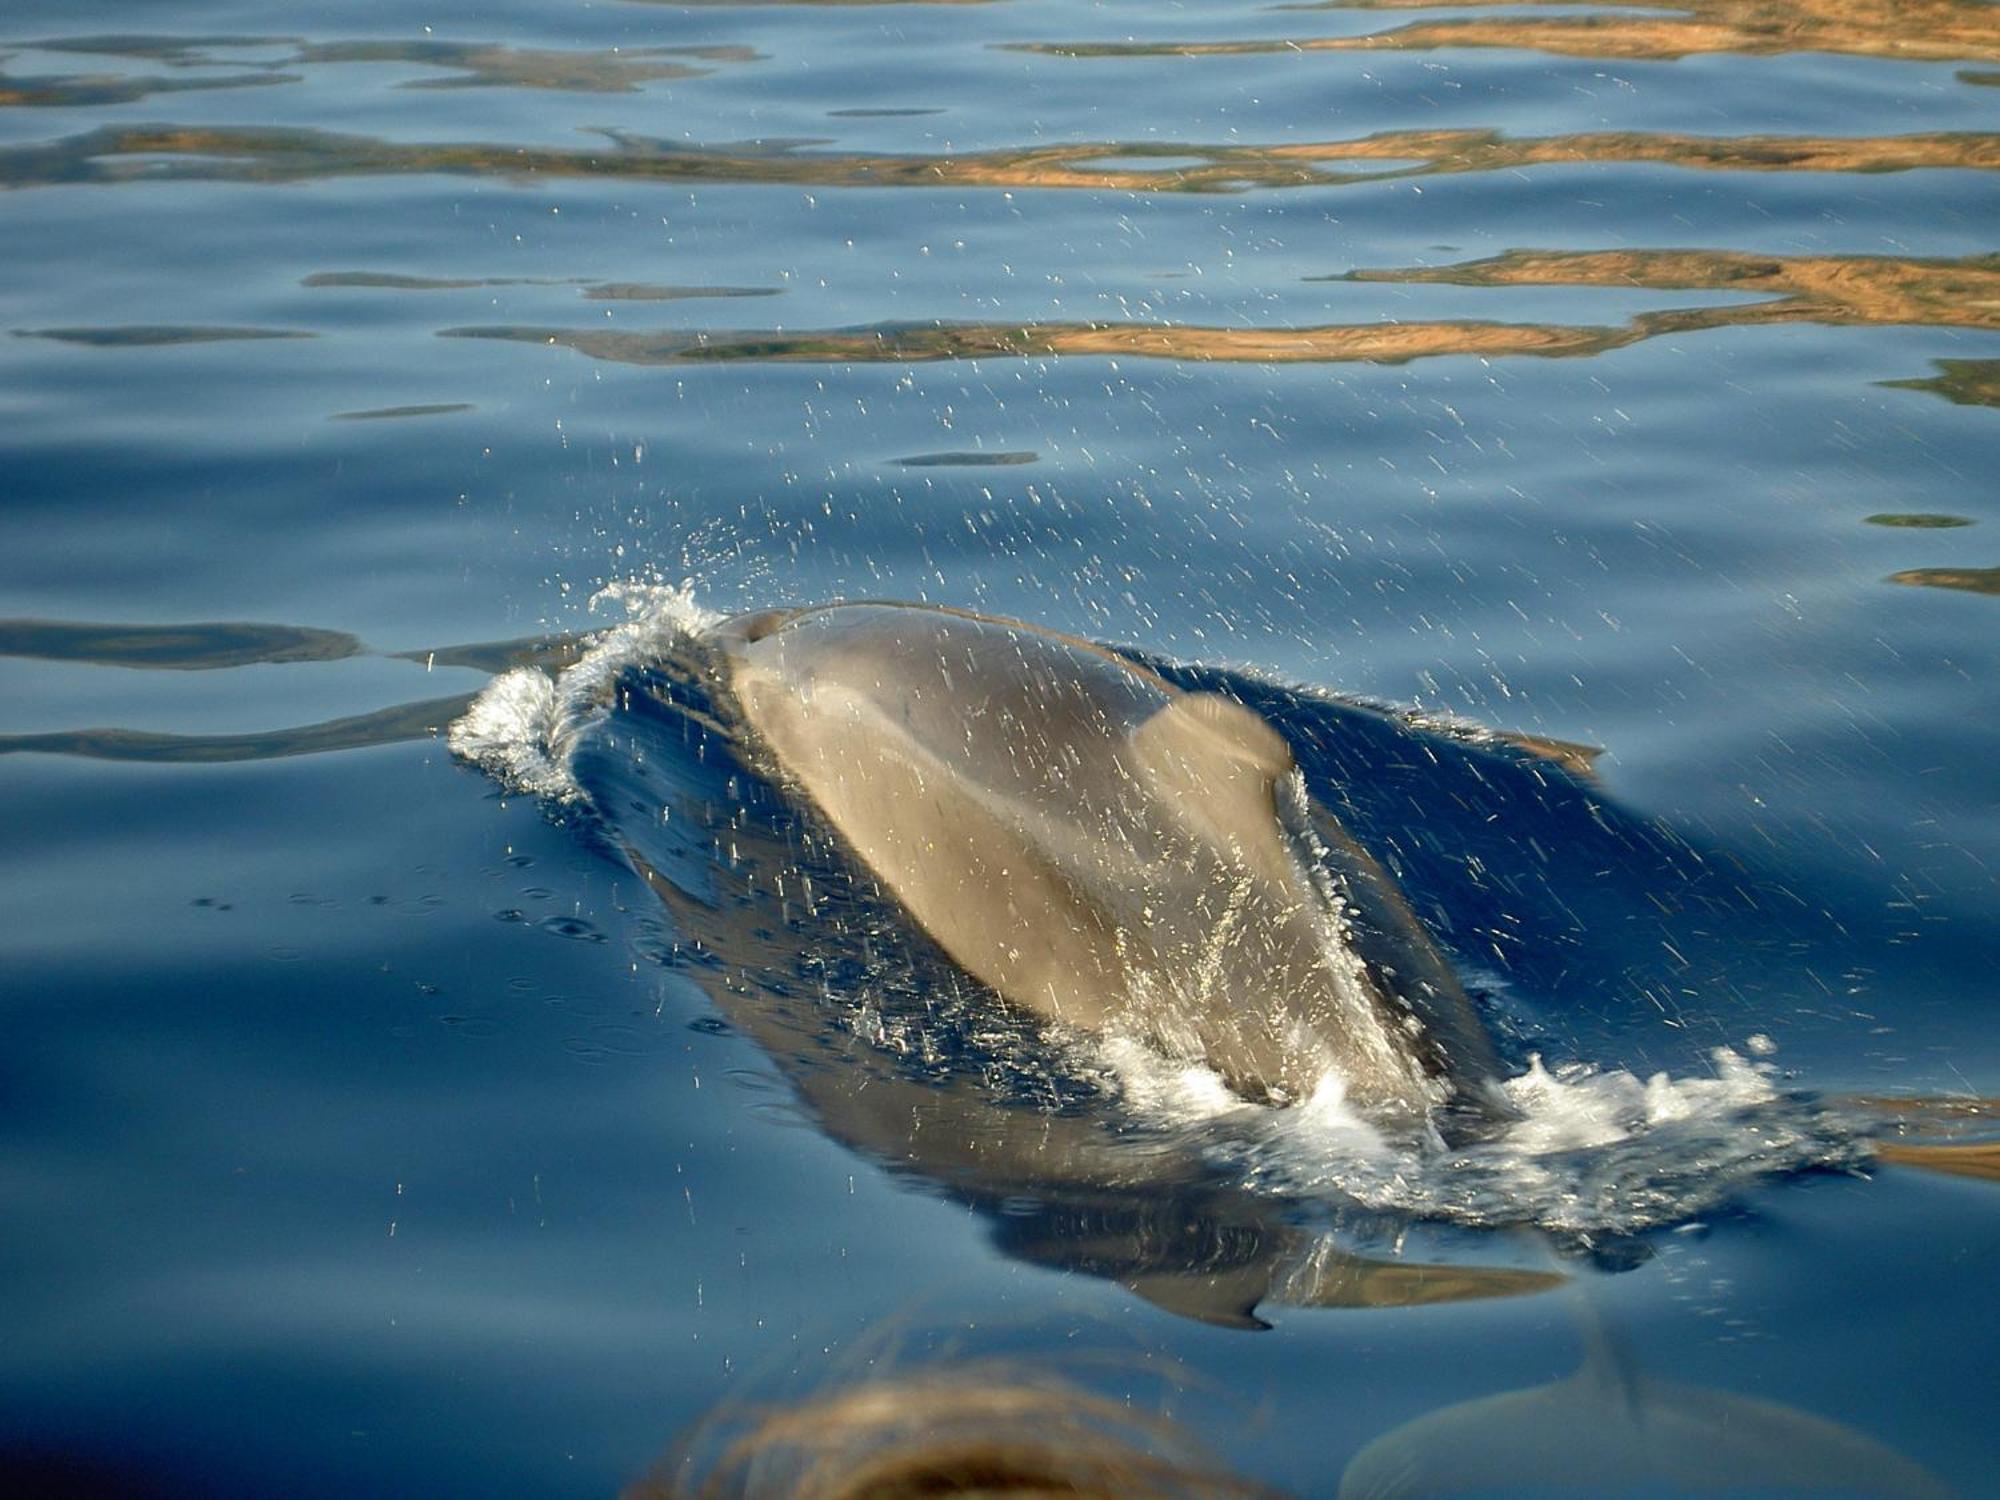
x=1080, y=836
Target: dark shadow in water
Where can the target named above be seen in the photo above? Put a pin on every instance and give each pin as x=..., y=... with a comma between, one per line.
x=481, y=65
x=214, y=645
x=147, y=335
x=114, y=154
x=174, y=51
x=398, y=413
x=389, y=726
x=182, y=648
x=549, y=652
x=895, y=1053
x=1963, y=382
x=391, y=281
x=1907, y=30
x=643, y=291
x=80, y=90
x=971, y=459
x=1917, y=520
x=597, y=291
x=469, y=64
x=1968, y=580
x=1833, y=290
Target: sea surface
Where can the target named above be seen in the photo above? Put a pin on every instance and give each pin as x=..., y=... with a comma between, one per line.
x=1572, y=424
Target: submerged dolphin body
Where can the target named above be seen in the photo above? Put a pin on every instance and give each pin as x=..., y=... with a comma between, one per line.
x=1105, y=850
x=1611, y=1429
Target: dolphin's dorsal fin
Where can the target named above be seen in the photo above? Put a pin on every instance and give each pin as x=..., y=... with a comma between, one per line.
x=1217, y=766
x=1205, y=728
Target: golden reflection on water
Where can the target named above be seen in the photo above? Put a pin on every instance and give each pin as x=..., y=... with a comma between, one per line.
x=1844, y=289
x=1906, y=30
x=153, y=153
x=81, y=90
x=1839, y=290
x=1967, y=580
x=1963, y=382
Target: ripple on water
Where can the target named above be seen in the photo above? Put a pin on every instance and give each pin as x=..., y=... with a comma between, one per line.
x=577, y=929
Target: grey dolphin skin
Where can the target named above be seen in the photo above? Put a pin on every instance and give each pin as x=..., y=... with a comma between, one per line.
x=800, y=951
x=1104, y=850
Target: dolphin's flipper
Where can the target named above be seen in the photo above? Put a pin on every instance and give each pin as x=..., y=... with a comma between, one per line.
x=1222, y=1300
x=1941, y=1123
x=1980, y=1160
x=1327, y=1277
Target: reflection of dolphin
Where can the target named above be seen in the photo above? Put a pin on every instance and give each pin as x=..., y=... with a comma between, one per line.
x=1101, y=848
x=893, y=1053
x=1609, y=1430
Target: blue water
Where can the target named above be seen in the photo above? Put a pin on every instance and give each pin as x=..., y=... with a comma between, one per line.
x=354, y=1138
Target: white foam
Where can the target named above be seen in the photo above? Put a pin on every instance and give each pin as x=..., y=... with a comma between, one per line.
x=522, y=728
x=1166, y=1090
x=1577, y=1107
x=1592, y=1150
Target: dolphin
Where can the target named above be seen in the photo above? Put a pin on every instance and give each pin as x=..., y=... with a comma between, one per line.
x=889, y=1049
x=1107, y=851
x=1611, y=1429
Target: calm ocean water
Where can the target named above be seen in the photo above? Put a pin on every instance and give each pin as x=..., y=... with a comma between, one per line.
x=1619, y=376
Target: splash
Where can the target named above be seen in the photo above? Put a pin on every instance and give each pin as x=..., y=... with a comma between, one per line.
x=522, y=728
x=1592, y=1150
